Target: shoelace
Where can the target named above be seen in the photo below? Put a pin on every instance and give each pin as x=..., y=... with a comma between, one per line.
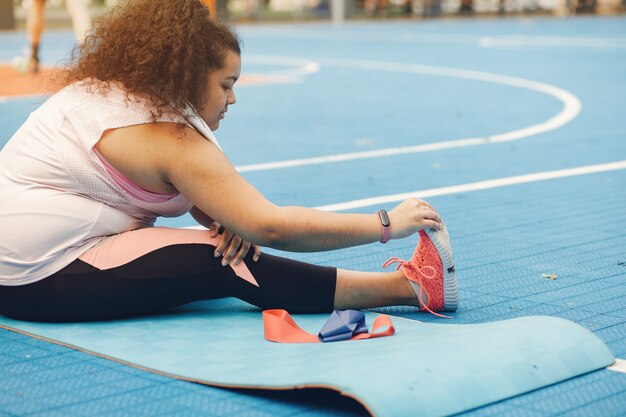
x=417, y=275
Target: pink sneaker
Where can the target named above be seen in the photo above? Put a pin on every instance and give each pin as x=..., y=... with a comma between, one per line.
x=431, y=272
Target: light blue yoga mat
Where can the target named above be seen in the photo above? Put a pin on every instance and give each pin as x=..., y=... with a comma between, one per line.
x=424, y=369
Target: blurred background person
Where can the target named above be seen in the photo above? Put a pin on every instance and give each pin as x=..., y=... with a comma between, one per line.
x=35, y=22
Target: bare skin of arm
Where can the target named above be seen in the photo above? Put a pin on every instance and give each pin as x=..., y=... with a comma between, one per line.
x=165, y=158
x=233, y=247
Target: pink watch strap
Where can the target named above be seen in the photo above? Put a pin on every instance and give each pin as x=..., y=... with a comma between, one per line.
x=386, y=234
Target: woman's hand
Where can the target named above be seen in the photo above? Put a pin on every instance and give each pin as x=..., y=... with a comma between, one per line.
x=411, y=216
x=232, y=247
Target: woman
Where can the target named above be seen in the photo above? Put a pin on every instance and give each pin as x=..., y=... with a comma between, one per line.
x=130, y=138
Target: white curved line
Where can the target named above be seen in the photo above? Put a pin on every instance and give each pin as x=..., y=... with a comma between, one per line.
x=300, y=67
x=476, y=186
x=304, y=67
x=571, y=109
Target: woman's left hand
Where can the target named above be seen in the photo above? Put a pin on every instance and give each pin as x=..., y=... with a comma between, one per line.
x=232, y=247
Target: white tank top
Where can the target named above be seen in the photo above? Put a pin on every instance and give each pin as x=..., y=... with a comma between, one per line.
x=57, y=199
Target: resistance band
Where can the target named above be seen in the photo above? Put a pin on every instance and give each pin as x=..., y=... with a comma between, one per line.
x=280, y=327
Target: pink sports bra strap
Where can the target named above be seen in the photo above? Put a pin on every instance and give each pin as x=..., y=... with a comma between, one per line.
x=130, y=187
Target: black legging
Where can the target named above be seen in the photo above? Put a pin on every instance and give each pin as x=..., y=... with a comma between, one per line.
x=168, y=277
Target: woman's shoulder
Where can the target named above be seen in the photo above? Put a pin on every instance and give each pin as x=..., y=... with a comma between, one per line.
x=86, y=94
x=112, y=98
x=92, y=89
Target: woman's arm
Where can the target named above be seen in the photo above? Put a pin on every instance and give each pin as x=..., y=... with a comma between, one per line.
x=201, y=217
x=202, y=173
x=230, y=246
x=180, y=158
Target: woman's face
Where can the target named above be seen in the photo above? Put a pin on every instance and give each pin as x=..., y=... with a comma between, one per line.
x=220, y=94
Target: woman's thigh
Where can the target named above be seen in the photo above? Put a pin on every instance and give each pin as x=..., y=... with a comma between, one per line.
x=150, y=270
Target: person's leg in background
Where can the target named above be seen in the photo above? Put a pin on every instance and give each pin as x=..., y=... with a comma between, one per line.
x=34, y=29
x=81, y=20
x=35, y=23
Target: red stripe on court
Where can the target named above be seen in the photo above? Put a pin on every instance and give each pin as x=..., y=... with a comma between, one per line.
x=15, y=84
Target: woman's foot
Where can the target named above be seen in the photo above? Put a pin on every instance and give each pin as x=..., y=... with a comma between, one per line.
x=431, y=272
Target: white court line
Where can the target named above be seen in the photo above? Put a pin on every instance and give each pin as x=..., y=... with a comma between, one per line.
x=296, y=71
x=476, y=186
x=550, y=42
x=571, y=109
x=404, y=36
x=369, y=37
x=299, y=68
x=6, y=99
x=472, y=186
x=618, y=366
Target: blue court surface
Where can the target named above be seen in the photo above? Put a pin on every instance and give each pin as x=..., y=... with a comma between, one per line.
x=514, y=129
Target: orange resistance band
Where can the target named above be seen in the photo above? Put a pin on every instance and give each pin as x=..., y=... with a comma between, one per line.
x=280, y=327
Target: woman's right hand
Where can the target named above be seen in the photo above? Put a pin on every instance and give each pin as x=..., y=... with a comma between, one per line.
x=232, y=247
x=411, y=216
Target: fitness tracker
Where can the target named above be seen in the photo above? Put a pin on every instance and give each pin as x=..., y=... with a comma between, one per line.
x=385, y=226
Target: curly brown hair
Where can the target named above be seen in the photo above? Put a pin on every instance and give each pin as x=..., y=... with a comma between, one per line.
x=163, y=49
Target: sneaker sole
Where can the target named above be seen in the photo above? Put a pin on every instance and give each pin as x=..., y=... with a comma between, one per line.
x=450, y=287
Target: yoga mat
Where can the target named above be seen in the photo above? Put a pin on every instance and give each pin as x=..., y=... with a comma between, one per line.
x=424, y=369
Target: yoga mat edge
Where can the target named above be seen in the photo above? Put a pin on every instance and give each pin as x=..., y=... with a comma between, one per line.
x=556, y=348
x=198, y=381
